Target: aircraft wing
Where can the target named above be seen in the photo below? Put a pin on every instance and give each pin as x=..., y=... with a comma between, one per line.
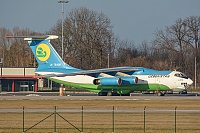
x=98, y=71
x=107, y=70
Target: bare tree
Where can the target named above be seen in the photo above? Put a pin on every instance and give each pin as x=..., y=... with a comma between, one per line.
x=16, y=52
x=88, y=38
x=125, y=51
x=181, y=43
x=4, y=44
x=173, y=39
x=193, y=34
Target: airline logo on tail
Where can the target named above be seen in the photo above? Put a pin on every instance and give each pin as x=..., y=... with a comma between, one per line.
x=43, y=52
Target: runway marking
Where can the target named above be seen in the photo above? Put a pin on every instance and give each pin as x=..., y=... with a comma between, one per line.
x=135, y=99
x=127, y=99
x=147, y=99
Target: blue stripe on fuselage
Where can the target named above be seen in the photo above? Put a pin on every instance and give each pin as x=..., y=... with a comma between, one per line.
x=147, y=71
x=59, y=70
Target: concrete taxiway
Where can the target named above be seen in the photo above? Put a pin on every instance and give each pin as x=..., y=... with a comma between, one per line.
x=91, y=96
x=136, y=97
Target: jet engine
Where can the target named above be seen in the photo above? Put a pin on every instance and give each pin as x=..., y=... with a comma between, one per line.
x=129, y=80
x=108, y=81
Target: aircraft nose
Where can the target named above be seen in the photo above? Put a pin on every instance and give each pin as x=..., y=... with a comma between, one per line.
x=190, y=82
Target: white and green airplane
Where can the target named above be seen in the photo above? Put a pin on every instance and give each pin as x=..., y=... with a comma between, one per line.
x=107, y=81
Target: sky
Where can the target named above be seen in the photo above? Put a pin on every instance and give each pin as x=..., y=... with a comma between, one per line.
x=133, y=20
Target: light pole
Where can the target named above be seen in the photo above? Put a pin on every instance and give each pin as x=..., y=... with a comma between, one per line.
x=63, y=2
x=195, y=72
x=108, y=60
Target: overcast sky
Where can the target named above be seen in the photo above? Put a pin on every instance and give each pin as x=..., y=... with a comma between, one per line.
x=133, y=20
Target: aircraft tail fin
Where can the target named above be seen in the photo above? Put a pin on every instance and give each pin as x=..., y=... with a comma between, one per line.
x=47, y=57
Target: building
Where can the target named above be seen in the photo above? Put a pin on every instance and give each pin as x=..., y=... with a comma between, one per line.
x=23, y=79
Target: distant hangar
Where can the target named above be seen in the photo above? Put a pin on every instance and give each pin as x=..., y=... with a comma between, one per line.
x=16, y=79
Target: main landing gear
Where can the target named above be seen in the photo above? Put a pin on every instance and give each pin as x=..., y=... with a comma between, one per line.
x=108, y=94
x=160, y=93
x=102, y=93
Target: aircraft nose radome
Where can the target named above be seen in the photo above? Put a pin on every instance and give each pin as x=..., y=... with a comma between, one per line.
x=190, y=82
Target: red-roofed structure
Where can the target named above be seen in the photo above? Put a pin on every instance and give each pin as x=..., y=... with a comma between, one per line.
x=18, y=79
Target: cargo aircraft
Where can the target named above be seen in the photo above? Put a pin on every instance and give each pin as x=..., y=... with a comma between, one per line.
x=107, y=81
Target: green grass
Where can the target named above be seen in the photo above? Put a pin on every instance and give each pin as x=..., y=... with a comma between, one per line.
x=95, y=122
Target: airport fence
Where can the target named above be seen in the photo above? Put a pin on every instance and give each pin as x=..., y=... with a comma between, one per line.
x=99, y=120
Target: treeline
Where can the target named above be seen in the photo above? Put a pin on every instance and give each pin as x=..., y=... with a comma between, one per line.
x=89, y=41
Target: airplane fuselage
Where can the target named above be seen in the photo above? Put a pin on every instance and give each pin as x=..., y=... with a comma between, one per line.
x=173, y=81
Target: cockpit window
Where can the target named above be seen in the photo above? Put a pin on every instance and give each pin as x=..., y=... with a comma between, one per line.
x=181, y=75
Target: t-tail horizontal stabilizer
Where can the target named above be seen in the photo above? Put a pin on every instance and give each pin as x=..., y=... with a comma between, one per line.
x=29, y=38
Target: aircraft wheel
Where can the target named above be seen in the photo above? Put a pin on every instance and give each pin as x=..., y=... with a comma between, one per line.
x=183, y=92
x=109, y=93
x=161, y=94
x=115, y=94
x=102, y=94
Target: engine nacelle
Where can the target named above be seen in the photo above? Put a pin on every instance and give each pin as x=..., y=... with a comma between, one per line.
x=107, y=81
x=129, y=80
